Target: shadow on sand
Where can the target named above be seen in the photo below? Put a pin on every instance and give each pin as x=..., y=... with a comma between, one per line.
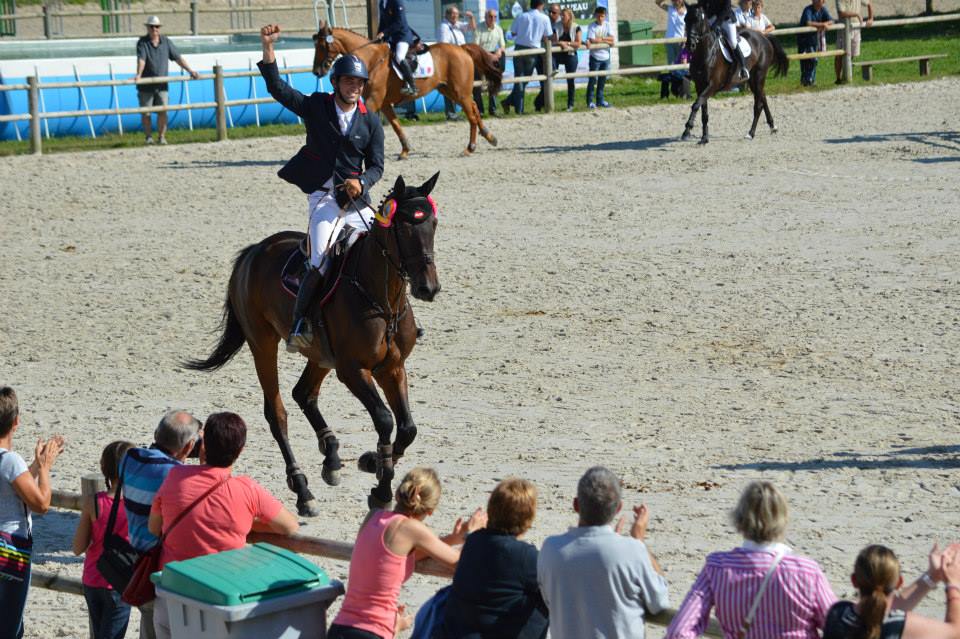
x=948, y=141
x=930, y=457
x=622, y=145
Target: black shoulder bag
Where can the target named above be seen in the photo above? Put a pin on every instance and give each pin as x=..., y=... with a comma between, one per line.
x=119, y=558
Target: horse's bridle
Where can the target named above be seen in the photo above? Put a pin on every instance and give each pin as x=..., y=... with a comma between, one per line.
x=425, y=258
x=328, y=61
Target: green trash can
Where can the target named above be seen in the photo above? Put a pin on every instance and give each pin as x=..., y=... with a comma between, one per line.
x=255, y=592
x=635, y=30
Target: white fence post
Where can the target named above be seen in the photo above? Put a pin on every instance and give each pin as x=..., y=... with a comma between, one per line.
x=221, y=97
x=548, y=71
x=33, y=100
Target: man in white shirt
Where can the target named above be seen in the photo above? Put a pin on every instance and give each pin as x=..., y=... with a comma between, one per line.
x=451, y=31
x=529, y=31
x=596, y=582
x=598, y=33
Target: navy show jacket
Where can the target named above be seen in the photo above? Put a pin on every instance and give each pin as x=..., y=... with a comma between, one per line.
x=327, y=152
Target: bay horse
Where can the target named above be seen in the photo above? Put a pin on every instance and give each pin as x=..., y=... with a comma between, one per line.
x=711, y=73
x=368, y=332
x=453, y=77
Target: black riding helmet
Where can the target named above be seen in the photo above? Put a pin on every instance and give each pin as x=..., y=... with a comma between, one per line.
x=349, y=65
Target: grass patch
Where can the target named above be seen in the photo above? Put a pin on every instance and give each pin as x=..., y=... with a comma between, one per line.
x=911, y=40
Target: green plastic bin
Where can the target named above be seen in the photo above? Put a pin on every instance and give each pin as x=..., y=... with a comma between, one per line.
x=256, y=592
x=635, y=30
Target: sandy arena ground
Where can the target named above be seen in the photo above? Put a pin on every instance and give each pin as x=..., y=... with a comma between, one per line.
x=692, y=317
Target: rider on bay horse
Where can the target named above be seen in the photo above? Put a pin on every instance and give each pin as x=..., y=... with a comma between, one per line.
x=341, y=160
x=395, y=30
x=720, y=14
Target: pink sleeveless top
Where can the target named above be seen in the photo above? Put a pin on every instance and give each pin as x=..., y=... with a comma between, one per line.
x=376, y=575
x=92, y=576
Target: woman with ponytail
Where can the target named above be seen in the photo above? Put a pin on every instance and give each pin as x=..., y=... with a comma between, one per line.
x=387, y=547
x=881, y=609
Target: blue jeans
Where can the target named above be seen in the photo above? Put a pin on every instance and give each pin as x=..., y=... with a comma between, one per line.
x=597, y=65
x=13, y=599
x=808, y=68
x=108, y=614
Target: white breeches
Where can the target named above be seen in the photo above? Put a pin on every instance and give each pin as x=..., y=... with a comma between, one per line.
x=400, y=51
x=326, y=220
x=730, y=31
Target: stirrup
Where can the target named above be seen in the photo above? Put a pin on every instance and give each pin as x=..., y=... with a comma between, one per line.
x=300, y=336
x=409, y=88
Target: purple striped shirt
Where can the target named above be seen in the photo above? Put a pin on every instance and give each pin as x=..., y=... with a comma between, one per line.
x=794, y=605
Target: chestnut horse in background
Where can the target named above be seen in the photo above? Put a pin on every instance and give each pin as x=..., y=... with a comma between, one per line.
x=453, y=77
x=368, y=332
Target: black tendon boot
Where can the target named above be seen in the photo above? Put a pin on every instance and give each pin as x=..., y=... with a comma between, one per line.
x=409, y=86
x=301, y=334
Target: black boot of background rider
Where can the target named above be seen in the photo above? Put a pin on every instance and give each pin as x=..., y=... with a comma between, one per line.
x=301, y=334
x=743, y=71
x=409, y=85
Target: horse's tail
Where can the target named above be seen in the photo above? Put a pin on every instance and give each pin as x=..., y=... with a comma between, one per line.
x=232, y=337
x=485, y=65
x=781, y=63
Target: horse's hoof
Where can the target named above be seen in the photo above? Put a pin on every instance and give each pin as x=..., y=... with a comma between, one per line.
x=703, y=140
x=309, y=508
x=368, y=462
x=773, y=130
x=748, y=136
x=330, y=476
x=492, y=140
x=685, y=136
x=467, y=153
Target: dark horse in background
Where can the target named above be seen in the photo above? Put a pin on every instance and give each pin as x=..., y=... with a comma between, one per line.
x=453, y=75
x=711, y=73
x=368, y=330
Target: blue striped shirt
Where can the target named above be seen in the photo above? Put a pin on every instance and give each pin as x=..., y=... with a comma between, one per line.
x=143, y=471
x=530, y=28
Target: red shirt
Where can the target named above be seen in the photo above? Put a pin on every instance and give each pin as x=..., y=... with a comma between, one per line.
x=220, y=522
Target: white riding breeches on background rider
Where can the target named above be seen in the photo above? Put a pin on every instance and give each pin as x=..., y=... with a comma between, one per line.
x=327, y=218
x=400, y=51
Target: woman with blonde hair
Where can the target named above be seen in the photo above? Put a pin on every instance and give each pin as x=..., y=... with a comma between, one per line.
x=761, y=589
x=881, y=609
x=388, y=545
x=569, y=38
x=495, y=591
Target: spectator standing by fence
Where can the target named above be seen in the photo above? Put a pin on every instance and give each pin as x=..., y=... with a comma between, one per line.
x=451, y=31
x=742, y=13
x=758, y=20
x=22, y=489
x=568, y=37
x=814, y=15
x=489, y=37
x=596, y=582
x=852, y=9
x=143, y=471
x=108, y=614
x=205, y=509
x=598, y=33
x=528, y=31
x=154, y=52
x=676, y=28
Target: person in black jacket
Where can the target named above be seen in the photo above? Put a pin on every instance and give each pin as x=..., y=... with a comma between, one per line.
x=495, y=592
x=341, y=160
x=398, y=34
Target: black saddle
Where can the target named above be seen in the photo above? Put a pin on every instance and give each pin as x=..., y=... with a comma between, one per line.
x=296, y=265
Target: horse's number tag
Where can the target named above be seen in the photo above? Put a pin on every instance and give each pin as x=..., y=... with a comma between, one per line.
x=329, y=39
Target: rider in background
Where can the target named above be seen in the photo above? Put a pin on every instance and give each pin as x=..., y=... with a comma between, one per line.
x=721, y=15
x=341, y=160
x=395, y=30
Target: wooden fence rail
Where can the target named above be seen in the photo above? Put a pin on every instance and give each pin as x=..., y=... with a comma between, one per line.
x=305, y=544
x=220, y=105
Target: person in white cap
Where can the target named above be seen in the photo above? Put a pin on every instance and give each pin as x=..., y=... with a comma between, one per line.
x=154, y=52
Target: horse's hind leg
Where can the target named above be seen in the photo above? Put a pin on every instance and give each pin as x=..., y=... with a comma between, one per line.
x=394, y=384
x=265, y=360
x=766, y=111
x=360, y=383
x=391, y=116
x=470, y=110
x=757, y=106
x=305, y=393
x=484, y=131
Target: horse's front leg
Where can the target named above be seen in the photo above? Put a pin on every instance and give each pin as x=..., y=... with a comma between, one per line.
x=265, y=360
x=360, y=382
x=393, y=381
x=700, y=101
x=757, y=107
x=704, y=120
x=305, y=393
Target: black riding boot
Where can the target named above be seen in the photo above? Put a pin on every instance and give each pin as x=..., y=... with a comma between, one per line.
x=409, y=85
x=741, y=61
x=301, y=334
